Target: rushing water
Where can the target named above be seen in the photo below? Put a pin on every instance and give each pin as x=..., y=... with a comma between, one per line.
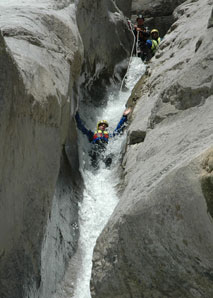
x=100, y=197
x=29, y=3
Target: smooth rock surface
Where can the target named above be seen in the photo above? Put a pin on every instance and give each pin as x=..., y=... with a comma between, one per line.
x=159, y=240
x=124, y=6
x=40, y=60
x=107, y=41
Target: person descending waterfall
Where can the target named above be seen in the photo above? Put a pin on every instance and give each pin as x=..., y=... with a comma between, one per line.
x=99, y=139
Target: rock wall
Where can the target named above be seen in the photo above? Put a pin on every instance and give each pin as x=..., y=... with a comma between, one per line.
x=40, y=61
x=107, y=41
x=124, y=6
x=158, y=13
x=159, y=240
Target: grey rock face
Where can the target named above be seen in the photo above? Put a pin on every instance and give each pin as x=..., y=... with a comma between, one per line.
x=125, y=6
x=62, y=232
x=159, y=240
x=156, y=7
x=158, y=13
x=107, y=41
x=40, y=59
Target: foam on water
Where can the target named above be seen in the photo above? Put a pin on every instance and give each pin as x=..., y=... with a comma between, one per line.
x=30, y=3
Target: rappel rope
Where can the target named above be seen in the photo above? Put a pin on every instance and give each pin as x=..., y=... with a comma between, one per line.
x=136, y=50
x=130, y=56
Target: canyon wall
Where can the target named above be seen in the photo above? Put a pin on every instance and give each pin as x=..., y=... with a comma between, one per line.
x=41, y=57
x=159, y=240
x=107, y=41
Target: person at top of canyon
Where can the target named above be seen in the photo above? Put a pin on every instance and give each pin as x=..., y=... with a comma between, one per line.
x=155, y=36
x=139, y=22
x=154, y=42
x=142, y=34
x=100, y=138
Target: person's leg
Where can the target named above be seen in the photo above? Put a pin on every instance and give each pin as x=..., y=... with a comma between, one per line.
x=108, y=160
x=94, y=159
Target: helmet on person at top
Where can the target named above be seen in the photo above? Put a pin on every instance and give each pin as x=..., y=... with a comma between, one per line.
x=102, y=122
x=140, y=16
x=154, y=31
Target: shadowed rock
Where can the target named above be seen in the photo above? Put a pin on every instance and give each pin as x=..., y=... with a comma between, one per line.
x=136, y=137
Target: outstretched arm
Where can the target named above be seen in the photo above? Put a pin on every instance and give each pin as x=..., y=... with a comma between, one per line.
x=121, y=123
x=83, y=129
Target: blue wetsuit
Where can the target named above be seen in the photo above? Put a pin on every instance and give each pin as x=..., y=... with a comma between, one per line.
x=90, y=134
x=100, y=141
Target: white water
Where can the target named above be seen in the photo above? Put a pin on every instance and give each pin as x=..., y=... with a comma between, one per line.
x=100, y=197
x=42, y=4
x=16, y=3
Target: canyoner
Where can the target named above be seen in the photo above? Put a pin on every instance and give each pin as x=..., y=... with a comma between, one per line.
x=100, y=138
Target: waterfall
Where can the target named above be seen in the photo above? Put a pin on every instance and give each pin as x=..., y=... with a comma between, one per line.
x=100, y=196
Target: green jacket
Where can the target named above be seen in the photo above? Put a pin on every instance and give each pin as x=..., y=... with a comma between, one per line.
x=155, y=44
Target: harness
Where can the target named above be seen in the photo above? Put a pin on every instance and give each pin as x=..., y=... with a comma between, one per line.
x=100, y=135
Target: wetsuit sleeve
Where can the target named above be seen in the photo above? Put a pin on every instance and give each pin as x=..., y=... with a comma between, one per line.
x=120, y=126
x=83, y=129
x=149, y=43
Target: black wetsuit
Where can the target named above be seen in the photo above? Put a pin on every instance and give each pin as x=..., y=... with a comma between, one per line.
x=143, y=35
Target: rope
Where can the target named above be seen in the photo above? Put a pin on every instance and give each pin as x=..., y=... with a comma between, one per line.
x=130, y=60
x=136, y=49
